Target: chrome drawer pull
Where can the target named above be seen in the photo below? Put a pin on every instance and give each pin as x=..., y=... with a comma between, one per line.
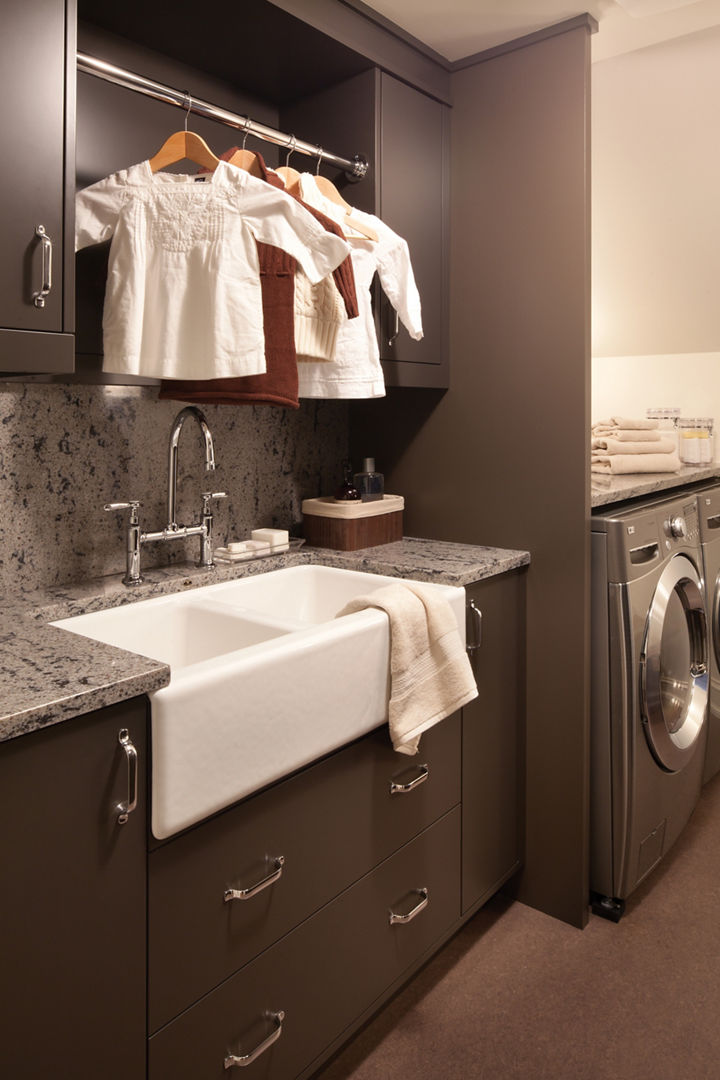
x=474, y=627
x=247, y=1059
x=47, y=254
x=403, y=789
x=253, y=890
x=124, y=810
x=394, y=918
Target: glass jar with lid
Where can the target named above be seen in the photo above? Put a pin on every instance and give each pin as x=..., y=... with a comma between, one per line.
x=695, y=439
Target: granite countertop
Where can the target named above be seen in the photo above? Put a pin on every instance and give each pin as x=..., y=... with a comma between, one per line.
x=607, y=490
x=48, y=675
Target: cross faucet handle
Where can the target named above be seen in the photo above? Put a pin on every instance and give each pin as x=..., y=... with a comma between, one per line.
x=208, y=495
x=133, y=506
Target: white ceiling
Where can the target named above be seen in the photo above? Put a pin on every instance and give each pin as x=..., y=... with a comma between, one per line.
x=460, y=28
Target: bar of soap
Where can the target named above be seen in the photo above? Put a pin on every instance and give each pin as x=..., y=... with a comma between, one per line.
x=237, y=546
x=273, y=537
x=257, y=546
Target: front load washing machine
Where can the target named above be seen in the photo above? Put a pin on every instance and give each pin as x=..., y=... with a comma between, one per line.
x=649, y=690
x=709, y=514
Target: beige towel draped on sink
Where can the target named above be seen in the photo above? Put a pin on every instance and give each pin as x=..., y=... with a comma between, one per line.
x=430, y=674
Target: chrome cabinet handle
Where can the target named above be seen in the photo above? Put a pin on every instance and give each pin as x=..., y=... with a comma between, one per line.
x=402, y=919
x=474, y=627
x=253, y=890
x=242, y=1060
x=125, y=809
x=47, y=253
x=403, y=789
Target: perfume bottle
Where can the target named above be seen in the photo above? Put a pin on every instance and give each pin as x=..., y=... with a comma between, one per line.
x=347, y=492
x=369, y=483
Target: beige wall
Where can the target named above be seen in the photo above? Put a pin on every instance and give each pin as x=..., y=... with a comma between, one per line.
x=656, y=185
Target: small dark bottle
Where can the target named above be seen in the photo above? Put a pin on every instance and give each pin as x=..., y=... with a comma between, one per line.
x=369, y=483
x=347, y=492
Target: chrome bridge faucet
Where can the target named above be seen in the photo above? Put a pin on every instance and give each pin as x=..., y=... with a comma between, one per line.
x=172, y=531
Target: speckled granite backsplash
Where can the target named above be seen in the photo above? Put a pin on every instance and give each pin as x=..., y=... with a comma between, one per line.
x=66, y=450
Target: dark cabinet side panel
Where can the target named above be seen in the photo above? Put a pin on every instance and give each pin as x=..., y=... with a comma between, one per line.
x=492, y=740
x=413, y=167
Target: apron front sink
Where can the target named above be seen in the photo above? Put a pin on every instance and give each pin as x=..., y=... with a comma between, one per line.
x=264, y=680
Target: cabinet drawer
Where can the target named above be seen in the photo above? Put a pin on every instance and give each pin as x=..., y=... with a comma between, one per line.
x=322, y=975
x=330, y=824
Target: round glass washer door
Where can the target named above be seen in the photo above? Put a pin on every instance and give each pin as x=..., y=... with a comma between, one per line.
x=673, y=664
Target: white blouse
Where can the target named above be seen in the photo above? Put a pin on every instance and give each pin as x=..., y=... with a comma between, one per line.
x=355, y=370
x=183, y=297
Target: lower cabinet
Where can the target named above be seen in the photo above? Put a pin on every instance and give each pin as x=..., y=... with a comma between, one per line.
x=72, y=902
x=305, y=990
x=262, y=937
x=229, y=888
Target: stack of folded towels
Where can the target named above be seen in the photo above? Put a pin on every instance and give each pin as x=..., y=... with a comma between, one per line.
x=619, y=445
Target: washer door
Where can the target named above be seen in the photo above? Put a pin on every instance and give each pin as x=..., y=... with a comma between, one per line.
x=674, y=680
x=715, y=617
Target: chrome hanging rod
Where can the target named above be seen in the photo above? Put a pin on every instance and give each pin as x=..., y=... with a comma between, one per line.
x=91, y=65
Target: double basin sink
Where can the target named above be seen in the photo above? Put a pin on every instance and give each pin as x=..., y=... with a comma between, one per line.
x=264, y=679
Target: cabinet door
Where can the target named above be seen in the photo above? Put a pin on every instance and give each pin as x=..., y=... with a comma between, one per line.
x=72, y=903
x=413, y=179
x=492, y=738
x=32, y=185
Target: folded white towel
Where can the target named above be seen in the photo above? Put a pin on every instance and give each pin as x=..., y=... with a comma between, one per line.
x=623, y=422
x=634, y=463
x=626, y=435
x=430, y=674
x=609, y=445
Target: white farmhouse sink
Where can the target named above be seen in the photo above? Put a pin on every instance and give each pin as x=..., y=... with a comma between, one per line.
x=264, y=680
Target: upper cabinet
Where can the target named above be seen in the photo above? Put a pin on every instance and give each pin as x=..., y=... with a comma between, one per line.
x=405, y=135
x=37, y=62
x=412, y=172
x=323, y=71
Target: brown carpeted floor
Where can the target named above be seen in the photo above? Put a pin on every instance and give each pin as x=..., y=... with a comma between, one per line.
x=518, y=994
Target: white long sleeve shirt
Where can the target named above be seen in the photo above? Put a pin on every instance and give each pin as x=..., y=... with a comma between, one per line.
x=183, y=297
x=355, y=370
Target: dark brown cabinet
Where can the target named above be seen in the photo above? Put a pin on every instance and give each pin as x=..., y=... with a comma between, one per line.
x=405, y=135
x=36, y=62
x=315, y=898
x=315, y=834
x=72, y=903
x=325, y=974
x=412, y=178
x=493, y=727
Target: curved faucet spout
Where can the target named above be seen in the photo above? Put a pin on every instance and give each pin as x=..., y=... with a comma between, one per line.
x=182, y=416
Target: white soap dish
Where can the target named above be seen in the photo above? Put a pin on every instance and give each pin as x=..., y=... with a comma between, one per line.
x=258, y=550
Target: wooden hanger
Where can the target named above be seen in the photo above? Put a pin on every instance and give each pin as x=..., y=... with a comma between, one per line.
x=291, y=179
x=328, y=189
x=184, y=144
x=246, y=159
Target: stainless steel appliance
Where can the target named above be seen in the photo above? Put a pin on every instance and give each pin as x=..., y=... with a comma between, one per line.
x=709, y=517
x=649, y=690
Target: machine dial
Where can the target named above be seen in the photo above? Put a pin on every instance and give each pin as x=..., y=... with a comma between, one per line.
x=677, y=527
